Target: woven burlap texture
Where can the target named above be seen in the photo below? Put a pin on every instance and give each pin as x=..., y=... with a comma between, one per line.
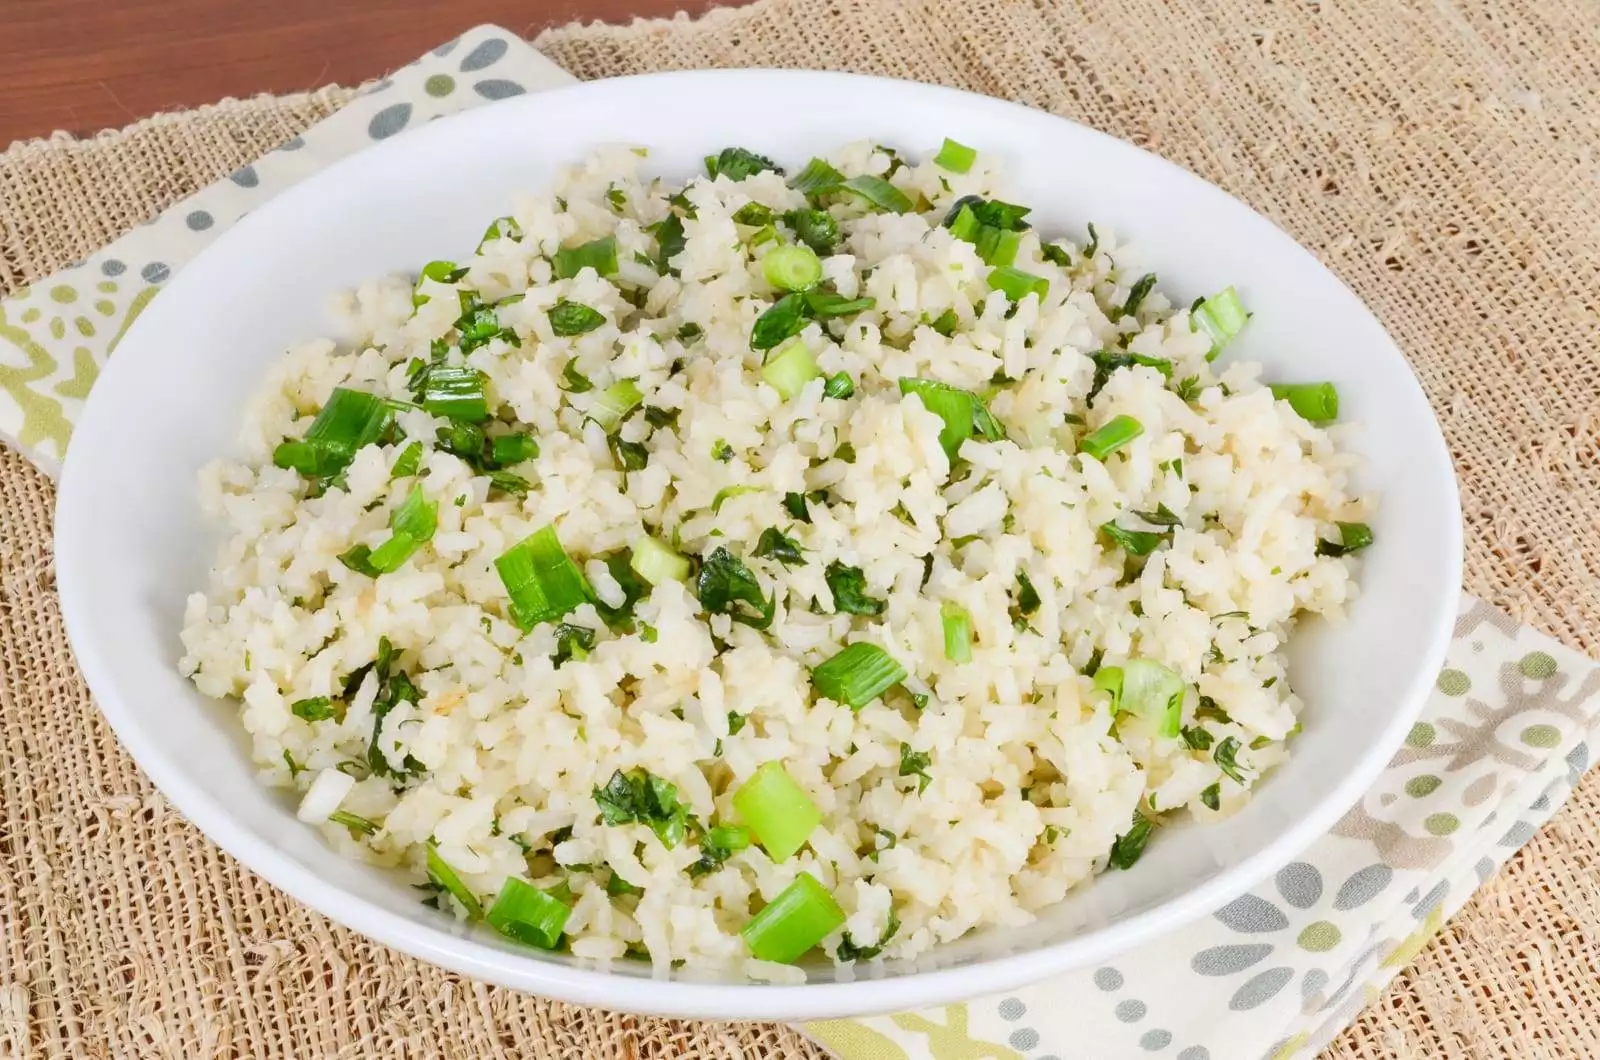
x=1439, y=156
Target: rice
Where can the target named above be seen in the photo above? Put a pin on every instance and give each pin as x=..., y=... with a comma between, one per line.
x=969, y=794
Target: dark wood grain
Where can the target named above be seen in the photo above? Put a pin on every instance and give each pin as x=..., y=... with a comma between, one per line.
x=86, y=65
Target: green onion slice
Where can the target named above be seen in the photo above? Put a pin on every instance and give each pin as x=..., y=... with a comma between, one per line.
x=413, y=525
x=455, y=392
x=727, y=493
x=1016, y=284
x=801, y=916
x=816, y=178
x=1146, y=690
x=529, y=915
x=790, y=369
x=656, y=563
x=615, y=404
x=508, y=449
x=1221, y=316
x=815, y=228
x=444, y=876
x=957, y=632
x=857, y=675
x=792, y=268
x=350, y=420
x=957, y=158
x=598, y=254
x=1117, y=432
x=408, y=462
x=878, y=193
x=779, y=812
x=541, y=579
x=963, y=412
x=1315, y=402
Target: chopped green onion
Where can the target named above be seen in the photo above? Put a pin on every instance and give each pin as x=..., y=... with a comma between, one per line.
x=317, y=708
x=963, y=412
x=349, y=421
x=656, y=563
x=790, y=369
x=736, y=163
x=815, y=228
x=1016, y=284
x=598, y=254
x=963, y=220
x=727, y=493
x=413, y=525
x=615, y=404
x=573, y=318
x=455, y=392
x=529, y=915
x=1117, y=432
x=792, y=268
x=358, y=826
x=779, y=812
x=408, y=462
x=816, y=178
x=1129, y=847
x=1221, y=316
x=508, y=449
x=1146, y=690
x=781, y=321
x=1314, y=402
x=957, y=158
x=541, y=579
x=774, y=544
x=438, y=272
x=826, y=304
x=839, y=385
x=957, y=632
x=801, y=916
x=754, y=214
x=1133, y=542
x=1353, y=537
x=444, y=876
x=878, y=193
x=857, y=675
x=999, y=246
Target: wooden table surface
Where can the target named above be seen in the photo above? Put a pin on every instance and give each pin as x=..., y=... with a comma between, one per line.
x=86, y=65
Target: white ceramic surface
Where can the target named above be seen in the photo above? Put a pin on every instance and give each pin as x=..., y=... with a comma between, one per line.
x=131, y=542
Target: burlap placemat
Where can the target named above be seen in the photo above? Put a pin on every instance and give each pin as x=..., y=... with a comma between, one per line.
x=1439, y=158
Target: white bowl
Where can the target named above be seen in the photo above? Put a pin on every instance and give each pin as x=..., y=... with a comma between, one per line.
x=131, y=543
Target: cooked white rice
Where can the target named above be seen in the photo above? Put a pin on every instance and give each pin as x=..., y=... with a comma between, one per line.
x=1033, y=778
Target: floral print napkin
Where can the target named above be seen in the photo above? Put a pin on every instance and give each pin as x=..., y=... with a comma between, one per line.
x=1274, y=974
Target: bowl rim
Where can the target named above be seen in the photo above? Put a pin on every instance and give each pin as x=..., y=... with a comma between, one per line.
x=462, y=953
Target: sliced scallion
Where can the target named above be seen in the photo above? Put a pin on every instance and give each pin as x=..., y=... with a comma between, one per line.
x=779, y=812
x=1116, y=433
x=445, y=877
x=792, y=268
x=1314, y=402
x=857, y=675
x=529, y=915
x=413, y=525
x=801, y=916
x=1146, y=690
x=656, y=563
x=542, y=580
x=957, y=632
x=1016, y=284
x=817, y=177
x=508, y=449
x=826, y=304
x=957, y=158
x=350, y=420
x=790, y=369
x=455, y=392
x=408, y=462
x=839, y=385
x=1221, y=316
x=598, y=254
x=615, y=404
x=1353, y=537
x=878, y=193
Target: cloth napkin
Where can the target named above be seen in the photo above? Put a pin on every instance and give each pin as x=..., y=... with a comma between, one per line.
x=1276, y=973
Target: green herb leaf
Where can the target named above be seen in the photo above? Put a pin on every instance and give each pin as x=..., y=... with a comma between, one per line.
x=725, y=586
x=736, y=163
x=1136, y=294
x=597, y=254
x=849, y=588
x=815, y=228
x=445, y=877
x=1353, y=537
x=781, y=321
x=773, y=544
x=1211, y=797
x=915, y=764
x=639, y=796
x=317, y=708
x=1129, y=847
x=574, y=318
x=824, y=305
x=1226, y=756
x=1107, y=362
x=575, y=381
x=847, y=949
